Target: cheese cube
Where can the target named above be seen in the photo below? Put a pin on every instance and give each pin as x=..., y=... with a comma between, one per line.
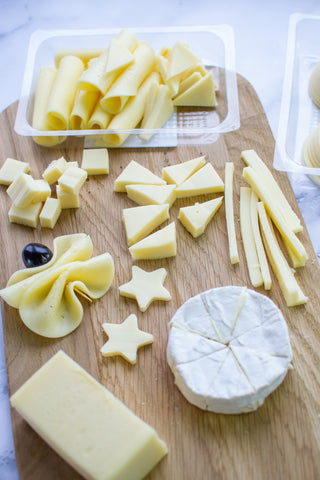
x=95, y=161
x=28, y=216
x=86, y=424
x=54, y=170
x=67, y=199
x=72, y=179
x=20, y=191
x=11, y=169
x=41, y=191
x=50, y=212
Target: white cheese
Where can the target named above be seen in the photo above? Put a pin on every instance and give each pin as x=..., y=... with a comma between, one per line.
x=228, y=348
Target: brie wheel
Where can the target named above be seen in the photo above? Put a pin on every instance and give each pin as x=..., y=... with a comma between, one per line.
x=228, y=349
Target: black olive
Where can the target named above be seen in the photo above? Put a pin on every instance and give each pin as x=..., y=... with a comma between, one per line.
x=36, y=254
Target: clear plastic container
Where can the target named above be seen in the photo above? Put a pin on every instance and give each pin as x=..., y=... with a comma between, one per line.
x=213, y=44
x=298, y=114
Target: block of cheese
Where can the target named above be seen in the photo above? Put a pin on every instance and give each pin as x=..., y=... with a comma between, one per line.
x=95, y=161
x=119, y=56
x=228, y=349
x=11, y=169
x=160, y=244
x=21, y=191
x=134, y=173
x=41, y=190
x=27, y=216
x=50, y=212
x=180, y=172
x=86, y=424
x=195, y=218
x=203, y=181
x=152, y=194
x=140, y=221
x=67, y=199
x=54, y=170
x=72, y=179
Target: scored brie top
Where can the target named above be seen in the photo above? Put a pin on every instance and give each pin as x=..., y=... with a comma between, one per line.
x=228, y=348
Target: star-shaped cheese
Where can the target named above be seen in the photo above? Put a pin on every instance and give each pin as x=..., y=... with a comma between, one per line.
x=146, y=287
x=124, y=339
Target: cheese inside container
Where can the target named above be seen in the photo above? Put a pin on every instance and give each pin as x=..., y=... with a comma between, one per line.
x=213, y=45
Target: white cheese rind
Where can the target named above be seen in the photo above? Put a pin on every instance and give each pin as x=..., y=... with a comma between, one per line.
x=228, y=348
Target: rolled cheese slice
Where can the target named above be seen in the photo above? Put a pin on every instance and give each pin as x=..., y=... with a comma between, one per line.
x=228, y=349
x=314, y=85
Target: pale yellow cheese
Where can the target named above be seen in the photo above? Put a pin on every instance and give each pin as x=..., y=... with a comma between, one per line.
x=253, y=160
x=232, y=238
x=162, y=110
x=203, y=181
x=54, y=170
x=151, y=194
x=135, y=173
x=95, y=161
x=195, y=218
x=11, y=169
x=265, y=271
x=50, y=212
x=99, y=119
x=160, y=244
x=83, y=106
x=258, y=184
x=25, y=190
x=189, y=81
x=291, y=290
x=67, y=199
x=28, y=216
x=140, y=221
x=119, y=56
x=180, y=172
x=85, y=54
x=86, y=424
x=72, y=179
x=248, y=238
x=200, y=94
x=314, y=84
x=182, y=59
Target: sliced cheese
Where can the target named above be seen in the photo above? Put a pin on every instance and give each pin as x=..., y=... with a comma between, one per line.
x=203, y=181
x=152, y=194
x=195, y=218
x=162, y=110
x=253, y=160
x=182, y=59
x=291, y=290
x=232, y=239
x=119, y=56
x=95, y=161
x=11, y=169
x=200, y=94
x=135, y=173
x=265, y=272
x=228, y=349
x=87, y=425
x=160, y=244
x=180, y=172
x=248, y=238
x=140, y=221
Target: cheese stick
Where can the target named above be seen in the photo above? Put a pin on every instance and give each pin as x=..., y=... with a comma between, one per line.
x=233, y=249
x=265, y=272
x=45, y=82
x=63, y=92
x=128, y=82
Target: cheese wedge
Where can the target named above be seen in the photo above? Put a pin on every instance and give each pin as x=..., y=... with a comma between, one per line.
x=228, y=349
x=11, y=169
x=87, y=425
x=248, y=238
x=291, y=290
x=196, y=218
x=160, y=244
x=180, y=172
x=140, y=221
x=134, y=173
x=251, y=158
x=232, y=238
x=182, y=59
x=203, y=181
x=152, y=194
x=271, y=202
x=200, y=94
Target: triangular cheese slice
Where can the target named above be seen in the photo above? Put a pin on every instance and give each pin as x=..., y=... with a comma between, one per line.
x=140, y=221
x=206, y=180
x=178, y=173
x=160, y=244
x=160, y=113
x=135, y=173
x=189, y=82
x=152, y=194
x=181, y=59
x=201, y=94
x=162, y=65
x=195, y=218
x=119, y=56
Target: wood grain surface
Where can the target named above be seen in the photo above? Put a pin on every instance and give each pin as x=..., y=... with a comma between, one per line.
x=281, y=439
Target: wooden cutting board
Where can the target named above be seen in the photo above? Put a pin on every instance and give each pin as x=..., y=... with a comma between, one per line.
x=281, y=439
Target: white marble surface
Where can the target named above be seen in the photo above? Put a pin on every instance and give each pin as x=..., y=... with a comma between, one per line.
x=260, y=30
